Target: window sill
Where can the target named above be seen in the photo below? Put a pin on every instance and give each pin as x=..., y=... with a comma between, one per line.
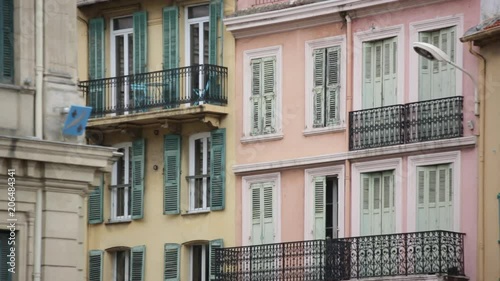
x=325, y=130
x=118, y=221
x=270, y=137
x=195, y=212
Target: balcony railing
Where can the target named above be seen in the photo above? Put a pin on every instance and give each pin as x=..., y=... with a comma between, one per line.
x=166, y=89
x=418, y=253
x=408, y=123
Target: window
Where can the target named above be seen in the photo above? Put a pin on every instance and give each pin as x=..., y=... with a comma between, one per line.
x=197, y=35
x=199, y=170
x=435, y=197
x=121, y=266
x=121, y=188
x=326, y=87
x=377, y=203
x=325, y=207
x=263, y=96
x=379, y=73
x=4, y=251
x=199, y=263
x=6, y=41
x=438, y=79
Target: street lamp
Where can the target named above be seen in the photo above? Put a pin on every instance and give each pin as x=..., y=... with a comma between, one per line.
x=432, y=52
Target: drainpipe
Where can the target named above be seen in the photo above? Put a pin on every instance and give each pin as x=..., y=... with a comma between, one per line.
x=38, y=133
x=350, y=51
x=482, y=123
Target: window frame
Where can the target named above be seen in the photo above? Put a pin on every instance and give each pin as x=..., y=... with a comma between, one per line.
x=113, y=34
x=205, y=255
x=429, y=25
x=206, y=164
x=127, y=264
x=128, y=190
x=454, y=159
x=246, y=196
x=187, y=24
x=310, y=46
x=248, y=56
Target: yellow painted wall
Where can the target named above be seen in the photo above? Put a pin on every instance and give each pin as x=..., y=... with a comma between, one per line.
x=156, y=229
x=492, y=162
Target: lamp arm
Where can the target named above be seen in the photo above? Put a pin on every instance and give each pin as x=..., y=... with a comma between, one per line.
x=476, y=98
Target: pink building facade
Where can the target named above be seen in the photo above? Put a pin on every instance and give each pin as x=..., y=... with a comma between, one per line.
x=344, y=131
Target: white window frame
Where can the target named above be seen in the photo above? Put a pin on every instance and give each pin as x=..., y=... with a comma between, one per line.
x=127, y=146
x=246, y=194
x=205, y=256
x=395, y=164
x=113, y=33
x=206, y=165
x=337, y=171
x=452, y=158
x=188, y=22
x=310, y=46
x=248, y=56
x=373, y=35
x=428, y=25
x=127, y=264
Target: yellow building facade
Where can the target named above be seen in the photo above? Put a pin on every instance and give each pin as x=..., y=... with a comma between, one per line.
x=158, y=77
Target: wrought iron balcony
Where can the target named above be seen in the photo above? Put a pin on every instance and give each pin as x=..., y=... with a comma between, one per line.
x=408, y=123
x=166, y=89
x=402, y=254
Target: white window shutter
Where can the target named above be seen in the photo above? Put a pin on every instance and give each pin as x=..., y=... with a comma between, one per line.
x=256, y=98
x=368, y=74
x=388, y=209
x=269, y=95
x=268, y=218
x=332, y=85
x=256, y=237
x=319, y=207
x=365, y=205
x=318, y=88
x=389, y=65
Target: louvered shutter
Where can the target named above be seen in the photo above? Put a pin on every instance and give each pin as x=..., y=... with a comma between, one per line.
x=170, y=37
x=172, y=162
x=319, y=88
x=215, y=15
x=268, y=214
x=172, y=260
x=96, y=64
x=256, y=213
x=7, y=41
x=140, y=24
x=319, y=207
x=422, y=187
x=214, y=267
x=138, y=162
x=269, y=95
x=256, y=98
x=368, y=75
x=95, y=265
x=387, y=205
x=389, y=69
x=218, y=169
x=332, y=85
x=424, y=76
x=95, y=204
x=5, y=275
x=365, y=205
x=137, y=263
x=376, y=196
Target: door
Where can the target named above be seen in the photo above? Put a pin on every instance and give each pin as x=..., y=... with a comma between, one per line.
x=377, y=203
x=122, y=48
x=262, y=213
x=197, y=51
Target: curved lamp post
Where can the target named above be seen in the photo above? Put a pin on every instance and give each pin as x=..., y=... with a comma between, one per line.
x=432, y=52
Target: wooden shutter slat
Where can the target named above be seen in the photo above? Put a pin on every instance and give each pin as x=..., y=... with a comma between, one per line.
x=172, y=260
x=95, y=265
x=214, y=244
x=95, y=204
x=137, y=258
x=140, y=25
x=171, y=190
x=138, y=163
x=215, y=15
x=218, y=169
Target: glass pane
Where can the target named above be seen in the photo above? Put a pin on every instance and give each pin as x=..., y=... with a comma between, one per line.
x=130, y=53
x=129, y=165
x=119, y=56
x=198, y=157
x=197, y=262
x=195, y=43
x=205, y=42
x=121, y=259
x=129, y=194
x=122, y=23
x=198, y=193
x=120, y=200
x=198, y=11
x=120, y=168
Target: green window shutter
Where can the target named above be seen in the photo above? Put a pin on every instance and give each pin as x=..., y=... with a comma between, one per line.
x=172, y=173
x=215, y=15
x=269, y=95
x=256, y=98
x=140, y=24
x=319, y=207
x=95, y=265
x=368, y=74
x=332, y=85
x=7, y=41
x=218, y=169
x=319, y=88
x=138, y=163
x=256, y=213
x=172, y=260
x=95, y=204
x=137, y=263
x=96, y=63
x=5, y=275
x=170, y=37
x=268, y=213
x=214, y=244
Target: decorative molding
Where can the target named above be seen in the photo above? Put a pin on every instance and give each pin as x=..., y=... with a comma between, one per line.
x=452, y=157
x=246, y=208
x=458, y=143
x=395, y=164
x=270, y=137
x=326, y=130
x=309, y=174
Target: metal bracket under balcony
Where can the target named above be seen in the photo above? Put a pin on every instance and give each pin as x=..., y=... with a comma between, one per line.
x=406, y=123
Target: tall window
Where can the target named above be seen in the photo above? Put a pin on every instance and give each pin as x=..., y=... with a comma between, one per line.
x=437, y=79
x=197, y=42
x=435, y=197
x=122, y=56
x=200, y=262
x=379, y=73
x=121, y=180
x=377, y=203
x=6, y=41
x=325, y=207
x=121, y=266
x=263, y=96
x=326, y=87
x=263, y=213
x=200, y=146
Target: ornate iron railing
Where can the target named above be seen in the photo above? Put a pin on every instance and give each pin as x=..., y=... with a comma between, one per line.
x=418, y=253
x=408, y=123
x=192, y=85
